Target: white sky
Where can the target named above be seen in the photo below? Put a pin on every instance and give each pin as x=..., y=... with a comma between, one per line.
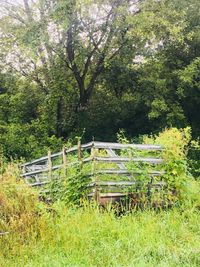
x=13, y=2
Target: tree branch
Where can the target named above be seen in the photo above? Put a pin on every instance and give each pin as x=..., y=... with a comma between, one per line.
x=28, y=11
x=70, y=53
x=97, y=72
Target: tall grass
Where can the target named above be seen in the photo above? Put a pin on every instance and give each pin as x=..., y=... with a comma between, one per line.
x=39, y=235
x=90, y=237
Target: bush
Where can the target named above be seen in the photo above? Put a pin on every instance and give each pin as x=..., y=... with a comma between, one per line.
x=27, y=141
x=176, y=143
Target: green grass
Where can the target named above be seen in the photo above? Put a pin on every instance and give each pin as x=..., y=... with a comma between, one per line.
x=88, y=237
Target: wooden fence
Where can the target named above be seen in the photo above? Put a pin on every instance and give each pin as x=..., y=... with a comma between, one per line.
x=41, y=171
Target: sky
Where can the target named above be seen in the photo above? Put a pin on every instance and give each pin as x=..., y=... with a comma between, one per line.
x=13, y=2
x=4, y=3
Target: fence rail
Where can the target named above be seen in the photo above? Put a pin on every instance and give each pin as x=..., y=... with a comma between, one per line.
x=98, y=145
x=40, y=171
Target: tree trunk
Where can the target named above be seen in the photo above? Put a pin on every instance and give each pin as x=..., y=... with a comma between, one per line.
x=28, y=11
x=59, y=118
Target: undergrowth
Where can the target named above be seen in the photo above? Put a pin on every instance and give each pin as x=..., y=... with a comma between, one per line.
x=91, y=237
x=59, y=233
x=35, y=234
x=172, y=186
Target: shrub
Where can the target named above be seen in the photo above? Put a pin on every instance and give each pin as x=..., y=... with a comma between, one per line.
x=176, y=143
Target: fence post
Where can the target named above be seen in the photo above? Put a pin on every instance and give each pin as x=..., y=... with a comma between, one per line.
x=1, y=161
x=49, y=165
x=95, y=178
x=80, y=154
x=64, y=160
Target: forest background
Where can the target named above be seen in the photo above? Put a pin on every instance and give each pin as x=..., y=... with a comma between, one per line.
x=90, y=68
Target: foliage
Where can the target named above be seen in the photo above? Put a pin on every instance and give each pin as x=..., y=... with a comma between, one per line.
x=20, y=212
x=70, y=185
x=194, y=157
x=27, y=140
x=131, y=66
x=178, y=170
x=64, y=235
x=176, y=144
x=100, y=66
x=73, y=236
x=172, y=186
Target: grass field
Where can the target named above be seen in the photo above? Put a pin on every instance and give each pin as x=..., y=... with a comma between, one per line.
x=88, y=237
x=60, y=235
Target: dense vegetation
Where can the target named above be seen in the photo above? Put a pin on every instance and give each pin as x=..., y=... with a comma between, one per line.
x=100, y=65
x=70, y=184
x=125, y=70
x=59, y=233
x=37, y=234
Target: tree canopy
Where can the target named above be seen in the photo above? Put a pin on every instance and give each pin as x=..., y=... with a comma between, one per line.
x=98, y=65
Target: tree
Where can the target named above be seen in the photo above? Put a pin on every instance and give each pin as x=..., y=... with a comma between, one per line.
x=85, y=35
x=168, y=80
x=100, y=65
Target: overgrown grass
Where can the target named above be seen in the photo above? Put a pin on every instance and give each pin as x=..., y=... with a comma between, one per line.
x=90, y=237
x=61, y=234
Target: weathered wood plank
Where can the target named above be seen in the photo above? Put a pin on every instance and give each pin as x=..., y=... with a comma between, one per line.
x=105, y=145
x=54, y=167
x=126, y=159
x=83, y=147
x=122, y=183
x=4, y=233
x=116, y=183
x=36, y=167
x=39, y=166
x=39, y=183
x=64, y=160
x=41, y=171
x=55, y=155
x=126, y=172
x=109, y=195
x=99, y=145
x=106, y=159
x=113, y=154
x=42, y=159
x=49, y=165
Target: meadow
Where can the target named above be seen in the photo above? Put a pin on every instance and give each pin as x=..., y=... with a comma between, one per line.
x=76, y=71
x=48, y=235
x=35, y=233
x=89, y=237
